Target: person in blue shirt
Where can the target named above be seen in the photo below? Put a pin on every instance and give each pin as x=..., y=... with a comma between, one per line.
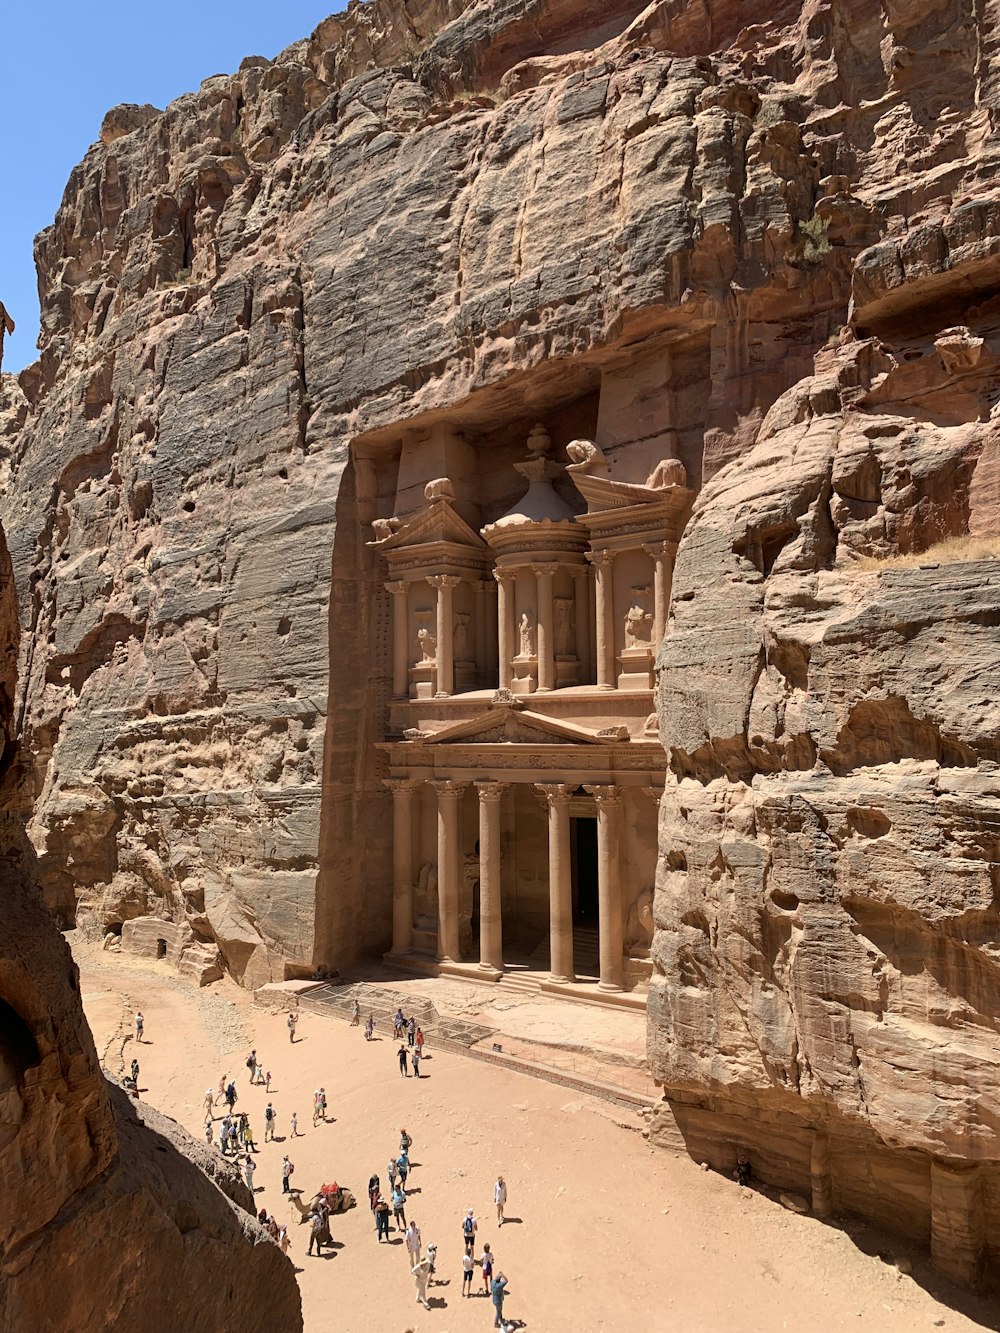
x=498, y=1290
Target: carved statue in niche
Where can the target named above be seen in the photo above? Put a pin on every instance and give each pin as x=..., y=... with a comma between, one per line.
x=426, y=640
x=425, y=897
x=639, y=929
x=564, y=626
x=526, y=632
x=639, y=620
x=460, y=639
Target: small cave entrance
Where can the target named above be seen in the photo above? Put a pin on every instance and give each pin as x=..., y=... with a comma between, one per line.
x=18, y=1048
x=161, y=948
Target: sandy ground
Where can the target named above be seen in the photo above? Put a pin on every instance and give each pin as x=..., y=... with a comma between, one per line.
x=603, y=1232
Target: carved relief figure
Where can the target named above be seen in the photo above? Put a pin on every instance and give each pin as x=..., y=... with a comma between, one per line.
x=639, y=930
x=564, y=626
x=460, y=639
x=427, y=643
x=639, y=620
x=526, y=631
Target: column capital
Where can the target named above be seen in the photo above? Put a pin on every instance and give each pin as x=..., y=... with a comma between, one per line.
x=655, y=792
x=490, y=791
x=601, y=559
x=446, y=787
x=443, y=580
x=659, y=548
x=401, y=784
x=578, y=571
x=396, y=586
x=556, y=793
x=504, y=574
x=543, y=571
x=605, y=795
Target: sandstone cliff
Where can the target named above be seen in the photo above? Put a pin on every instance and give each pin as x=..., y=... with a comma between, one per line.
x=110, y=1215
x=774, y=236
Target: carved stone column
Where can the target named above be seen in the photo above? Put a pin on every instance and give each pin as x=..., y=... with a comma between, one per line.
x=560, y=881
x=662, y=554
x=505, y=625
x=449, y=796
x=546, y=627
x=581, y=621
x=402, y=862
x=482, y=610
x=400, y=636
x=609, y=886
x=490, y=922
x=445, y=584
x=603, y=568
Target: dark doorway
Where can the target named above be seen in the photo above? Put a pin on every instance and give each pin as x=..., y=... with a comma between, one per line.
x=161, y=948
x=584, y=858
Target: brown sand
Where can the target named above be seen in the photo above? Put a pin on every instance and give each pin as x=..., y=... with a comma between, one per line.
x=605, y=1233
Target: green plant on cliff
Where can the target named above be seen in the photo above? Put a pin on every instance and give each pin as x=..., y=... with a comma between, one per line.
x=814, y=240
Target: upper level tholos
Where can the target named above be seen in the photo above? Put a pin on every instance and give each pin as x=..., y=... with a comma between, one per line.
x=548, y=595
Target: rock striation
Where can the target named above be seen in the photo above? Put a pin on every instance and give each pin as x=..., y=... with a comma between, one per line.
x=767, y=243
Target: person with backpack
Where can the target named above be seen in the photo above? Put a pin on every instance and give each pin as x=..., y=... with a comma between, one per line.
x=403, y=1166
x=399, y=1207
x=486, y=1264
x=287, y=1167
x=469, y=1228
x=269, y=1119
x=135, y=1073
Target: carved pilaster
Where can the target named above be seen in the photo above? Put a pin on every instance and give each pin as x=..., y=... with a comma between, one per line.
x=403, y=790
x=609, y=885
x=445, y=585
x=449, y=795
x=546, y=626
x=490, y=922
x=603, y=568
x=505, y=625
x=400, y=640
x=557, y=796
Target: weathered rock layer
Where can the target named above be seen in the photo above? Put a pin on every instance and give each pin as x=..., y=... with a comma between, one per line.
x=767, y=243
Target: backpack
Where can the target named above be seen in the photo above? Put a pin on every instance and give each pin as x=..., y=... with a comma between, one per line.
x=249, y=1062
x=468, y=1225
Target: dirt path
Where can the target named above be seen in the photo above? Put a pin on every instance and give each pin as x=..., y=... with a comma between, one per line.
x=605, y=1233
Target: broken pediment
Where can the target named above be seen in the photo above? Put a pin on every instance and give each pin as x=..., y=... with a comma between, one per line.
x=506, y=725
x=438, y=522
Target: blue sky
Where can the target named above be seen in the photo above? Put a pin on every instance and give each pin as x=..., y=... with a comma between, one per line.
x=63, y=64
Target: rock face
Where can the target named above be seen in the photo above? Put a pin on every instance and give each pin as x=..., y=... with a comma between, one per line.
x=767, y=244
x=93, y=1183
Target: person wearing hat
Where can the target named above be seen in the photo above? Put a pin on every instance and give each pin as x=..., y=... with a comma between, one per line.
x=469, y=1229
x=500, y=1198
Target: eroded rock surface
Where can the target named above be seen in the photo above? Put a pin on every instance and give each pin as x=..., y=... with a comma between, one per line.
x=765, y=243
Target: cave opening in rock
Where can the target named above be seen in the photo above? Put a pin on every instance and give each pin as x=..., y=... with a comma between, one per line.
x=18, y=1048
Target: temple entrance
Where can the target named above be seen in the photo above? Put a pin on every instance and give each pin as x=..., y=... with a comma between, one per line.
x=584, y=857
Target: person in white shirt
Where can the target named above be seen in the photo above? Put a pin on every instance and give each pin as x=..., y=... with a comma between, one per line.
x=468, y=1268
x=412, y=1237
x=500, y=1198
x=421, y=1272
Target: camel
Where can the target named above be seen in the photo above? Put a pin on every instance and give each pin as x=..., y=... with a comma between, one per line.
x=338, y=1203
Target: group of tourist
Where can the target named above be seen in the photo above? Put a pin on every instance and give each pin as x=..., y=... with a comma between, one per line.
x=236, y=1140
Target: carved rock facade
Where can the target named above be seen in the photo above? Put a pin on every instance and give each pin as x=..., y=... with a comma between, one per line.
x=758, y=248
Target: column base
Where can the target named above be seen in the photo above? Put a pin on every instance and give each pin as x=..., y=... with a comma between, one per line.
x=490, y=971
x=442, y=694
x=606, y=687
x=609, y=986
x=561, y=981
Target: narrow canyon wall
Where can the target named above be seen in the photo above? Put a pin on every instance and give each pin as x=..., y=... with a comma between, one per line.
x=767, y=242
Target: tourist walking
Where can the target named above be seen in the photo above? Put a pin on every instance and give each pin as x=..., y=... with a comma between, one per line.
x=209, y=1101
x=249, y=1167
x=381, y=1211
x=374, y=1190
x=140, y=1024
x=286, y=1174
x=402, y=1062
x=355, y=1014
x=267, y=1081
x=403, y=1167
x=412, y=1238
x=415, y=1061
x=411, y=1032
x=421, y=1272
x=269, y=1121
x=231, y=1095
x=222, y=1088
x=391, y=1171
x=209, y=1127
x=295, y=1124
x=317, y=1106
x=248, y=1138
x=322, y=1103
x=500, y=1198
x=369, y=1027
x=486, y=1264
x=405, y=1143
x=469, y=1228
x=398, y=1023
x=419, y=1039
x=135, y=1073
x=468, y=1268
x=399, y=1207
x=498, y=1288
x=292, y=1021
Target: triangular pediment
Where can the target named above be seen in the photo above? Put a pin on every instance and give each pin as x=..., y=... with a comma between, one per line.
x=437, y=522
x=505, y=725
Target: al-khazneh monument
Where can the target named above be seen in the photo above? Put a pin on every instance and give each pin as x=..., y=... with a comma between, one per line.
x=522, y=748
x=515, y=488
